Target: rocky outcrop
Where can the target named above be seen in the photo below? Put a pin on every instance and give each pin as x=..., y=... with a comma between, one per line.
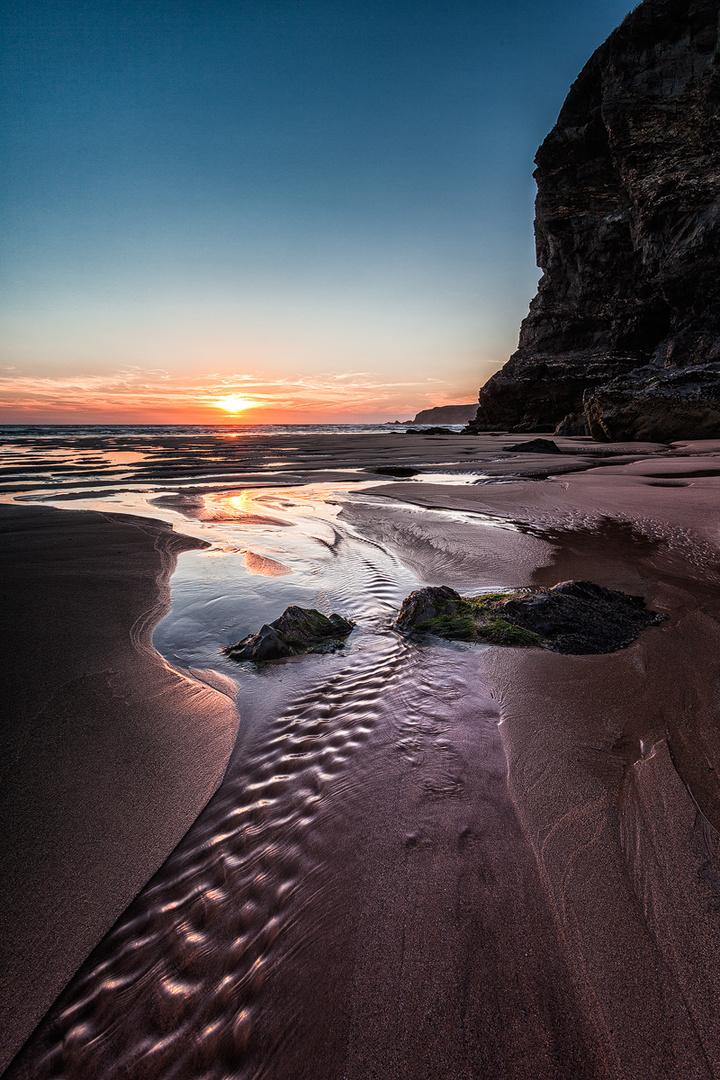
x=575, y=617
x=580, y=617
x=535, y=446
x=297, y=631
x=441, y=611
x=425, y=606
x=574, y=423
x=429, y=431
x=627, y=228
x=446, y=414
x=656, y=405
x=401, y=472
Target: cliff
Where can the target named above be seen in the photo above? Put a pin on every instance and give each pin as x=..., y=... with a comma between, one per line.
x=627, y=234
x=446, y=414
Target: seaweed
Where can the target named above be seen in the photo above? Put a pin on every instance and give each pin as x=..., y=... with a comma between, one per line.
x=578, y=617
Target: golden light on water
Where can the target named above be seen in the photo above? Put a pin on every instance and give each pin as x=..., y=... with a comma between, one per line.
x=235, y=404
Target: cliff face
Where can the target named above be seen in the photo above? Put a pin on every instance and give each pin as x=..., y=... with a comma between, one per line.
x=627, y=222
x=446, y=414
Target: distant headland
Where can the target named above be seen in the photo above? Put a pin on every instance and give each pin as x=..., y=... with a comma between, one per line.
x=444, y=414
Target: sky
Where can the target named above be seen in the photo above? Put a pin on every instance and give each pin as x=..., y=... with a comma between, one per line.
x=300, y=210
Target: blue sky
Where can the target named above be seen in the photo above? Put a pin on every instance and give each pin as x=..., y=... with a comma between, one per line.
x=325, y=207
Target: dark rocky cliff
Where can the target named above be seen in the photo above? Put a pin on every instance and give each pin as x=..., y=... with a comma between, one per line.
x=628, y=234
x=446, y=414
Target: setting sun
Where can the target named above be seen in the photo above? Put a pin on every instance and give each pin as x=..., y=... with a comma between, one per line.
x=234, y=404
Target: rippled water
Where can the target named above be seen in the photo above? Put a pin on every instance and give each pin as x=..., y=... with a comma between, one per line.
x=47, y=432
x=310, y=557
x=178, y=987
x=175, y=988
x=323, y=906
x=379, y=889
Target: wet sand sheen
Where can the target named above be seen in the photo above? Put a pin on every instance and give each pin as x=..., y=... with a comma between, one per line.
x=448, y=861
x=108, y=755
x=359, y=884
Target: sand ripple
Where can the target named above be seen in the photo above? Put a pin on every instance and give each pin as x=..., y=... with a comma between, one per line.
x=174, y=989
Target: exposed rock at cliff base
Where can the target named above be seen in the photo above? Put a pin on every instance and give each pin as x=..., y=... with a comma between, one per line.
x=538, y=394
x=627, y=230
x=656, y=405
x=574, y=423
x=535, y=446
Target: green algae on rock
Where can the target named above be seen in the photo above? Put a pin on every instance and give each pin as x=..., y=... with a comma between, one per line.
x=575, y=617
x=297, y=631
x=442, y=611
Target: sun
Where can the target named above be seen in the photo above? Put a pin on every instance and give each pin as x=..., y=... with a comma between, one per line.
x=234, y=404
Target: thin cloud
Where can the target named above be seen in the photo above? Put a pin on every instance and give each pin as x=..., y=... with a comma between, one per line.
x=135, y=390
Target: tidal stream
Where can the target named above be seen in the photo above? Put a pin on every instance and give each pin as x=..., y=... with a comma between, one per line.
x=424, y=861
x=278, y=879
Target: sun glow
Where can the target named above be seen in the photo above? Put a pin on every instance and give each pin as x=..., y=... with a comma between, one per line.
x=234, y=404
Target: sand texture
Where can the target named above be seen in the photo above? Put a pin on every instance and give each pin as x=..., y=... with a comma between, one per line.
x=437, y=860
x=108, y=755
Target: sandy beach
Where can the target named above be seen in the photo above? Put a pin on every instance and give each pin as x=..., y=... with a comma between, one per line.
x=438, y=860
x=108, y=755
x=337, y=745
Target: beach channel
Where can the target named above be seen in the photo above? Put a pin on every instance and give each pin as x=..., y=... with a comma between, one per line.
x=401, y=859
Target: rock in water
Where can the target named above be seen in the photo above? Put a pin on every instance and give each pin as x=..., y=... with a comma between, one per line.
x=298, y=630
x=442, y=611
x=427, y=605
x=576, y=617
x=627, y=232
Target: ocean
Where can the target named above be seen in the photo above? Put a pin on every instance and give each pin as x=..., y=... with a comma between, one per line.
x=13, y=432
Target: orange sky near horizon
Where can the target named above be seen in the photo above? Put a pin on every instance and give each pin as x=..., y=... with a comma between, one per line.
x=324, y=209
x=136, y=396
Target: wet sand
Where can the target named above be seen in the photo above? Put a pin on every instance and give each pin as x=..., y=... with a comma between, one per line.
x=451, y=861
x=108, y=755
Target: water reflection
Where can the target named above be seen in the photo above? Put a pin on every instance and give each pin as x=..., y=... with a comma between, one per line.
x=256, y=566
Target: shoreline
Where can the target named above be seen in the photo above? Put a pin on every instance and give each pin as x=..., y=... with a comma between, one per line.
x=109, y=754
x=493, y=861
